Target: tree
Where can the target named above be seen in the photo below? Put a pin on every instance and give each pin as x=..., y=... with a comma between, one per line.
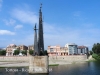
x=96, y=48
x=3, y=52
x=24, y=52
x=91, y=52
x=31, y=52
x=45, y=52
x=16, y=52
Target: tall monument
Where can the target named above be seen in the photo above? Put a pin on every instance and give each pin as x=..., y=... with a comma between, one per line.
x=39, y=62
x=39, y=44
x=40, y=33
x=36, y=51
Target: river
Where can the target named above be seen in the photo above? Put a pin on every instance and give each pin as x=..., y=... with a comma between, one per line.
x=86, y=68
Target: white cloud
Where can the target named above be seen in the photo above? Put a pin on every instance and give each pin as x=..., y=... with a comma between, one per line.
x=10, y=22
x=25, y=16
x=54, y=35
x=6, y=32
x=18, y=26
x=57, y=35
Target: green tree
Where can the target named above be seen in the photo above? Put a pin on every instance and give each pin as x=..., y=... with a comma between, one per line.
x=24, y=52
x=16, y=52
x=96, y=48
x=0, y=52
x=31, y=52
x=45, y=52
x=91, y=52
x=3, y=52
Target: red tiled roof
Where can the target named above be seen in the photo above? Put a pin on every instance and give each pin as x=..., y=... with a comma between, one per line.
x=80, y=47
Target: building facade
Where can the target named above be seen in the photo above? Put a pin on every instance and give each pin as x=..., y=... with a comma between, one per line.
x=22, y=47
x=57, y=51
x=82, y=50
x=31, y=47
x=72, y=49
x=10, y=49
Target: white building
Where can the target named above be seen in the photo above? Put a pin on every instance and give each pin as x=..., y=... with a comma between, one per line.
x=10, y=49
x=72, y=48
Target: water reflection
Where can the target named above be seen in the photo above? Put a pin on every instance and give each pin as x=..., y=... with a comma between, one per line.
x=88, y=68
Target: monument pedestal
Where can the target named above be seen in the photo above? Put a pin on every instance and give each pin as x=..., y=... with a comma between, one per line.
x=38, y=64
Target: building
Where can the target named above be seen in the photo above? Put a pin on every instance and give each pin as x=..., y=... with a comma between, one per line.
x=63, y=51
x=22, y=47
x=69, y=49
x=72, y=48
x=31, y=47
x=82, y=50
x=57, y=51
x=10, y=49
x=52, y=50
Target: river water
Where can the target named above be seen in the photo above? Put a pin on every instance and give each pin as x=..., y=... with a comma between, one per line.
x=86, y=68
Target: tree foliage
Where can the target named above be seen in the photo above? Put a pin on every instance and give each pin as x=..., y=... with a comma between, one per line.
x=16, y=52
x=96, y=56
x=24, y=52
x=96, y=48
x=45, y=52
x=31, y=52
x=91, y=52
x=2, y=52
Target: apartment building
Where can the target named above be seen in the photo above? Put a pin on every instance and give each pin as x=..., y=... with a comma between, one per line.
x=57, y=51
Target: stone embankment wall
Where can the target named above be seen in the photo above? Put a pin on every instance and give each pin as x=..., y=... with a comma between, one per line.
x=52, y=59
x=14, y=58
x=67, y=59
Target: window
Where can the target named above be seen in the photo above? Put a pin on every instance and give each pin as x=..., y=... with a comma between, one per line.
x=51, y=49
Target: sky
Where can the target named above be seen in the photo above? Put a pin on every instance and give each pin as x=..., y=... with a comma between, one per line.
x=64, y=21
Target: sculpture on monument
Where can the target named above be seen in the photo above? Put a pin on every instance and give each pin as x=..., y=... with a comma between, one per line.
x=39, y=44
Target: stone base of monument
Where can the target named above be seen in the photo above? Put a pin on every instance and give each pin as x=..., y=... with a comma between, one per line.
x=38, y=64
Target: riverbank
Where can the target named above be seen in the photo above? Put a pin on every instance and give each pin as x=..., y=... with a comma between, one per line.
x=96, y=56
x=91, y=59
x=26, y=64
x=55, y=60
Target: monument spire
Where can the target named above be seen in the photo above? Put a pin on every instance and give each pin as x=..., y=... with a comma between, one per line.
x=39, y=64
x=36, y=52
x=40, y=33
